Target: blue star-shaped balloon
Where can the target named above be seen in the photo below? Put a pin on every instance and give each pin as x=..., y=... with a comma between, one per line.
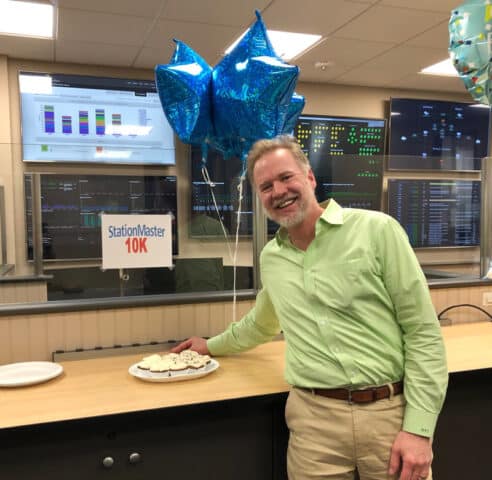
x=184, y=91
x=249, y=95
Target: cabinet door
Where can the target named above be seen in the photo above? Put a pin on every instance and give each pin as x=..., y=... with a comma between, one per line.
x=461, y=442
x=221, y=441
x=224, y=440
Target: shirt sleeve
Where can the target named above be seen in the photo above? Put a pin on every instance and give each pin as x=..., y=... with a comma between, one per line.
x=259, y=325
x=425, y=367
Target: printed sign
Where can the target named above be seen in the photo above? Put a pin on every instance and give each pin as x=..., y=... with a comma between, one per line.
x=136, y=241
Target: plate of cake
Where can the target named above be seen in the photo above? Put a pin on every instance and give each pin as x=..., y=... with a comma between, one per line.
x=173, y=367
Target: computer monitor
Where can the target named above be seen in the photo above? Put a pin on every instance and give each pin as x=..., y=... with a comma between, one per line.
x=71, y=206
x=347, y=157
x=89, y=119
x=437, y=135
x=225, y=175
x=437, y=213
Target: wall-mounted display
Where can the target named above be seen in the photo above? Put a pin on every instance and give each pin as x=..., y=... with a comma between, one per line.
x=88, y=119
x=71, y=206
x=346, y=155
x=224, y=174
x=437, y=213
x=437, y=135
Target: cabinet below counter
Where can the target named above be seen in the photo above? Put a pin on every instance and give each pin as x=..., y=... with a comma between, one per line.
x=97, y=421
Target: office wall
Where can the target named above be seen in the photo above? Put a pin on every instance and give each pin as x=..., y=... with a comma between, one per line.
x=35, y=337
x=320, y=99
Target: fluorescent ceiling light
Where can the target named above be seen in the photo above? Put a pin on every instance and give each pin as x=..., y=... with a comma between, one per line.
x=444, y=69
x=287, y=45
x=26, y=18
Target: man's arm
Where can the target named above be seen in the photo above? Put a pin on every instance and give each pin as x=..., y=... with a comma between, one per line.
x=258, y=326
x=425, y=366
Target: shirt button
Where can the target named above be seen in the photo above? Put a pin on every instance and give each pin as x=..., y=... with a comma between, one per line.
x=322, y=322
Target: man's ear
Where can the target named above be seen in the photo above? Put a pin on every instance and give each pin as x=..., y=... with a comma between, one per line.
x=311, y=178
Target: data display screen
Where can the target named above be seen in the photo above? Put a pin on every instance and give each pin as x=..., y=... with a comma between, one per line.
x=225, y=176
x=437, y=213
x=347, y=158
x=71, y=206
x=82, y=119
x=437, y=135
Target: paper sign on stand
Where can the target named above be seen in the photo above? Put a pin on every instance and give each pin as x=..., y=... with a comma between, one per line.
x=136, y=241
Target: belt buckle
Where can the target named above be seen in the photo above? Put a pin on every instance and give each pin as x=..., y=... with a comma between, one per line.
x=349, y=399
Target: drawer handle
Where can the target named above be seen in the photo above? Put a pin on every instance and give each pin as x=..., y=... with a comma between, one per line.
x=135, y=457
x=108, y=462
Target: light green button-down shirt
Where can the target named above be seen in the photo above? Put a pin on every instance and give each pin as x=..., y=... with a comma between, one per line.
x=355, y=311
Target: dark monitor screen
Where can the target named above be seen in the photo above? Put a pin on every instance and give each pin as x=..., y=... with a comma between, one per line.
x=346, y=155
x=71, y=206
x=437, y=135
x=87, y=119
x=437, y=213
x=225, y=174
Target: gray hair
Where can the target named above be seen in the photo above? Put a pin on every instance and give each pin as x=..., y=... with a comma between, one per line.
x=262, y=147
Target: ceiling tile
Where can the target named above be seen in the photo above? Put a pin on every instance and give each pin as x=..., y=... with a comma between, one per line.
x=433, y=82
x=430, y=5
x=218, y=12
x=149, y=57
x=436, y=37
x=345, y=52
x=30, y=48
x=209, y=41
x=312, y=16
x=96, y=54
x=369, y=76
x=142, y=8
x=79, y=25
x=311, y=74
x=406, y=59
x=387, y=24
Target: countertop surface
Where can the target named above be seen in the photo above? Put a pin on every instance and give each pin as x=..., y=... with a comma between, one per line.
x=103, y=386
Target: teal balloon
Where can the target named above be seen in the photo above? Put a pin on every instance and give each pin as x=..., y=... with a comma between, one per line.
x=470, y=26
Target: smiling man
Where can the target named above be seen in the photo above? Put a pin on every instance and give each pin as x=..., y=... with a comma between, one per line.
x=364, y=351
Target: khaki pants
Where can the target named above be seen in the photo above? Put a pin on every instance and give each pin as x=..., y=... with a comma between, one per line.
x=330, y=439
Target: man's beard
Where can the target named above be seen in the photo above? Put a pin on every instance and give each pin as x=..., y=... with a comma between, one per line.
x=289, y=221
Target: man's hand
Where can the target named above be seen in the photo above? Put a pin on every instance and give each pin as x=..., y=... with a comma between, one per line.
x=413, y=454
x=197, y=344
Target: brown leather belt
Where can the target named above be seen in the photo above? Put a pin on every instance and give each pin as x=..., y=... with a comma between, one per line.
x=366, y=395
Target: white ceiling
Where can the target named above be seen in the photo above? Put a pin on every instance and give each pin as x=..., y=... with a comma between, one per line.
x=380, y=43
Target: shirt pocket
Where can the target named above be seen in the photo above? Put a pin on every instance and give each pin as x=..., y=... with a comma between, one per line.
x=340, y=283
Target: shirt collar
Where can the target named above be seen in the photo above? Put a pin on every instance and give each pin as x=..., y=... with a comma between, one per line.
x=333, y=214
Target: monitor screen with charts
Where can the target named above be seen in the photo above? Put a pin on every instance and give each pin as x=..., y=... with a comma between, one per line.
x=87, y=119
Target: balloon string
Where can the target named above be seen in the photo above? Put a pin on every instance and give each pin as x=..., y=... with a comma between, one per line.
x=208, y=181
x=236, y=245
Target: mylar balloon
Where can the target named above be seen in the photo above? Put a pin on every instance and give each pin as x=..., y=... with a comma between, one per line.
x=184, y=90
x=469, y=28
x=249, y=95
x=252, y=90
x=295, y=108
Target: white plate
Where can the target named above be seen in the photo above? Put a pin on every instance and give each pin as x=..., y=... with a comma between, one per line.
x=28, y=373
x=188, y=374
